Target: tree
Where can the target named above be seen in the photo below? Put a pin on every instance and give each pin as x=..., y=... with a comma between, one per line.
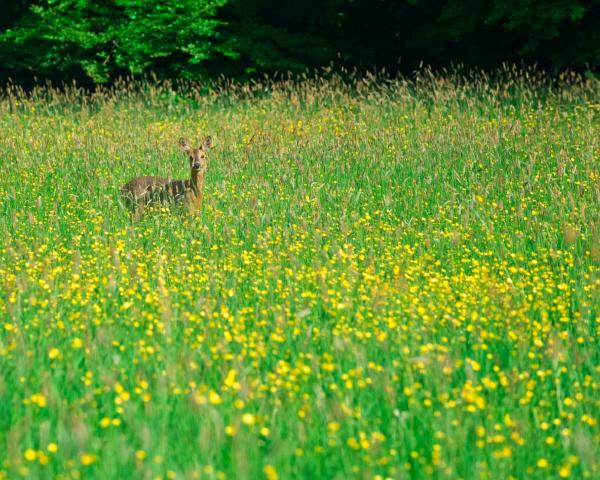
x=106, y=38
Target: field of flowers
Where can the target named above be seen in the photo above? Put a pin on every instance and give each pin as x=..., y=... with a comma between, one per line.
x=388, y=279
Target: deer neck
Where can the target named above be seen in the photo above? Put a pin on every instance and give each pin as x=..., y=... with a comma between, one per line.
x=197, y=182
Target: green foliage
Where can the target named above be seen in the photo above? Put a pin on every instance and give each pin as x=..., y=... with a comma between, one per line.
x=259, y=36
x=558, y=33
x=109, y=37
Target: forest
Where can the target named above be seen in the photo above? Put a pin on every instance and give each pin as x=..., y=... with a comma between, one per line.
x=98, y=41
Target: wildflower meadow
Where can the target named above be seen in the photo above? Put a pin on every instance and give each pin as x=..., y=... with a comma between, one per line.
x=388, y=278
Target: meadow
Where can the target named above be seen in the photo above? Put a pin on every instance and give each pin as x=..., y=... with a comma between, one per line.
x=388, y=279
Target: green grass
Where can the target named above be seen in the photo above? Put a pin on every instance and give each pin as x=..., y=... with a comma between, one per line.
x=387, y=279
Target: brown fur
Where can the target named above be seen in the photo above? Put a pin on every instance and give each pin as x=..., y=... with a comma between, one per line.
x=143, y=191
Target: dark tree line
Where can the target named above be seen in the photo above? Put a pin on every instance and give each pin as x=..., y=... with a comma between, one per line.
x=99, y=40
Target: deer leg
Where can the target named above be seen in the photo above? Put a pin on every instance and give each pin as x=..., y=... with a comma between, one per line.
x=137, y=211
x=196, y=205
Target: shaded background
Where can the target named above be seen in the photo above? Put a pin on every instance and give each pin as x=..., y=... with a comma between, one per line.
x=96, y=41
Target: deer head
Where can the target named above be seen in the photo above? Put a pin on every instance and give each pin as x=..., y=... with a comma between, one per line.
x=197, y=156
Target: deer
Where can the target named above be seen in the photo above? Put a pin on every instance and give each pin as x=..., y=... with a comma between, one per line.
x=144, y=191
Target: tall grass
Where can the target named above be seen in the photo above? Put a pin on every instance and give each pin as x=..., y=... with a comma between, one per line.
x=389, y=279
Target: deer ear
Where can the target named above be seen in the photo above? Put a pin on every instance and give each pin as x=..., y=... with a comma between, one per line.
x=185, y=144
x=207, y=143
